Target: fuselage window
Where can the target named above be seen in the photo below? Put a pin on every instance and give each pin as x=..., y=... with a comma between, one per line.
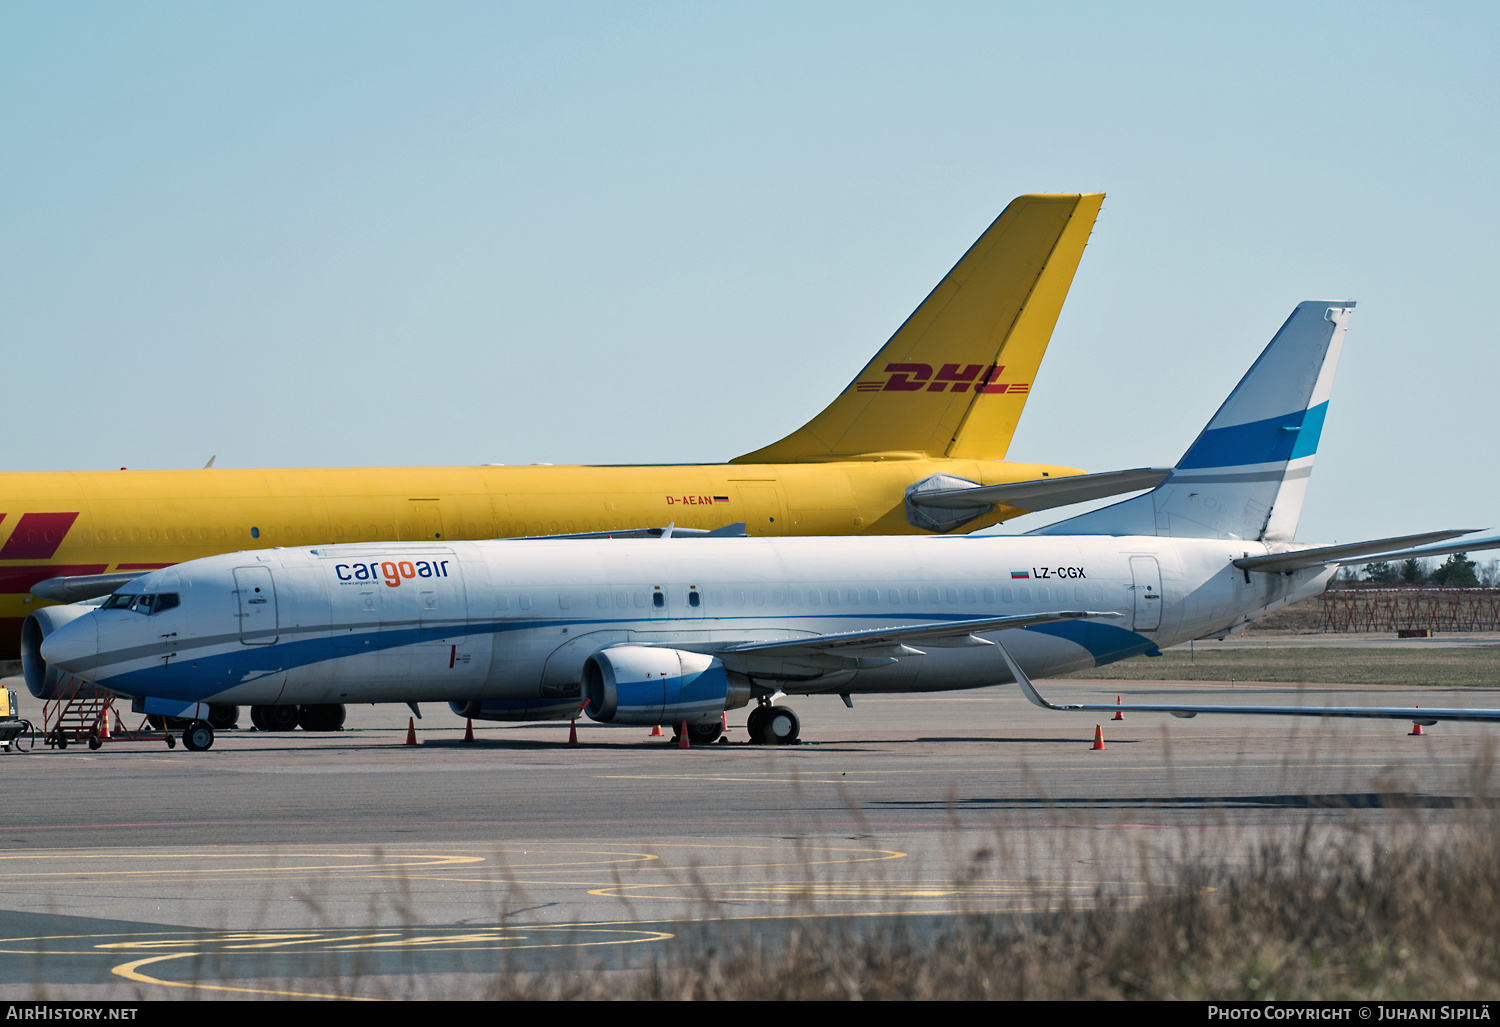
x=851, y=596
x=911, y=596
x=117, y=602
x=525, y=602
x=603, y=600
x=1024, y=594
x=622, y=600
x=640, y=599
x=1043, y=595
x=971, y=596
x=815, y=597
x=1007, y=596
x=694, y=599
x=950, y=595
x=658, y=599
x=989, y=595
x=833, y=597
x=503, y=602
x=165, y=601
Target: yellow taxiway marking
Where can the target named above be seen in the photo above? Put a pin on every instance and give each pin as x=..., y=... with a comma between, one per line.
x=131, y=972
x=209, y=871
x=471, y=941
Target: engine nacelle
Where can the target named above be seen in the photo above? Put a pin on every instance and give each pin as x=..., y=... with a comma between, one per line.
x=634, y=684
x=43, y=681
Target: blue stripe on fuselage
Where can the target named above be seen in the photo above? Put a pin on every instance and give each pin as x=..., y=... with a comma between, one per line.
x=196, y=677
x=1104, y=642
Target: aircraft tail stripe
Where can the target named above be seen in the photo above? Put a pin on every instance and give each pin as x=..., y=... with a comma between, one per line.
x=1273, y=440
x=37, y=536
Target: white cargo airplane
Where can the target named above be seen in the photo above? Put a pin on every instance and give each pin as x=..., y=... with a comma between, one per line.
x=676, y=631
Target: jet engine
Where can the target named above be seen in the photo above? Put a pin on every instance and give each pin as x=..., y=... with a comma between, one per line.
x=633, y=684
x=43, y=681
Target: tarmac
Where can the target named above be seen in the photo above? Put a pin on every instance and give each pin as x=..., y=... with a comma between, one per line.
x=351, y=864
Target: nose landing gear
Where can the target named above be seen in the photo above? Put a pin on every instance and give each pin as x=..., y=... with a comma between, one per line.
x=198, y=736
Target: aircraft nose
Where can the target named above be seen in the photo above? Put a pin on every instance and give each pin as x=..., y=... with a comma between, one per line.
x=73, y=647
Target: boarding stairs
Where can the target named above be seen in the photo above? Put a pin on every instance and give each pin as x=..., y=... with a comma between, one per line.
x=84, y=713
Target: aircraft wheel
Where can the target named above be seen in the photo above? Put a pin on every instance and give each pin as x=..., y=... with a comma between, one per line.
x=198, y=736
x=705, y=734
x=782, y=726
x=281, y=718
x=223, y=718
x=322, y=717
x=755, y=724
x=156, y=720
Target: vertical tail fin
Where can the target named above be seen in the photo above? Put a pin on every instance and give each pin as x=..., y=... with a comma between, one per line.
x=954, y=378
x=1246, y=474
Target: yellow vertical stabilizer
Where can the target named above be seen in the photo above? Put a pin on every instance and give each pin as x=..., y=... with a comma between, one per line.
x=954, y=378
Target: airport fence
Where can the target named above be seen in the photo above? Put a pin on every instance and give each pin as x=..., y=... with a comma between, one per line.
x=1414, y=610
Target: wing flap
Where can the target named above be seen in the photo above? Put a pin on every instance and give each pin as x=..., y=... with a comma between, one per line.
x=885, y=642
x=1415, y=714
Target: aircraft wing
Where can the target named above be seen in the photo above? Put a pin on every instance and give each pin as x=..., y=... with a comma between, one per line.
x=876, y=646
x=1399, y=548
x=1412, y=714
x=75, y=588
x=1043, y=493
x=735, y=530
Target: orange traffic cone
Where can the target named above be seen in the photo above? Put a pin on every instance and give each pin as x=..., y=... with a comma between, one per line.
x=1098, y=745
x=469, y=730
x=656, y=731
x=1416, y=729
x=104, y=731
x=1119, y=714
x=411, y=731
x=682, y=738
x=572, y=734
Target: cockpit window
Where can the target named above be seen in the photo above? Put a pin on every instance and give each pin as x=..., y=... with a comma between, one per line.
x=147, y=604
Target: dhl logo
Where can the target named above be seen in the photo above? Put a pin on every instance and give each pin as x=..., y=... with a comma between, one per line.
x=919, y=377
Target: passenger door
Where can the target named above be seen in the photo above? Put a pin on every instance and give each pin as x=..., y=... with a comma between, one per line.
x=256, y=592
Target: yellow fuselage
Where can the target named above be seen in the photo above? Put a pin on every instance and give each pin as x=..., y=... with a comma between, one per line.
x=97, y=522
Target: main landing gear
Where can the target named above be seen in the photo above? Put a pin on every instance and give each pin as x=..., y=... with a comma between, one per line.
x=773, y=725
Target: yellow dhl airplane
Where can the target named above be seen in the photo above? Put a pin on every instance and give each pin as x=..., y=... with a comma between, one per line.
x=916, y=443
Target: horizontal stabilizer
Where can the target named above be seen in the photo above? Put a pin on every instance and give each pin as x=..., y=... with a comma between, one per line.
x=75, y=588
x=735, y=530
x=1045, y=493
x=1412, y=714
x=1399, y=548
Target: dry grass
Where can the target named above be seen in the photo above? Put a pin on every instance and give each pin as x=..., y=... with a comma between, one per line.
x=1360, y=917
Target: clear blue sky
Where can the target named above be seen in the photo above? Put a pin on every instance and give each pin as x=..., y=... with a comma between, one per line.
x=329, y=234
